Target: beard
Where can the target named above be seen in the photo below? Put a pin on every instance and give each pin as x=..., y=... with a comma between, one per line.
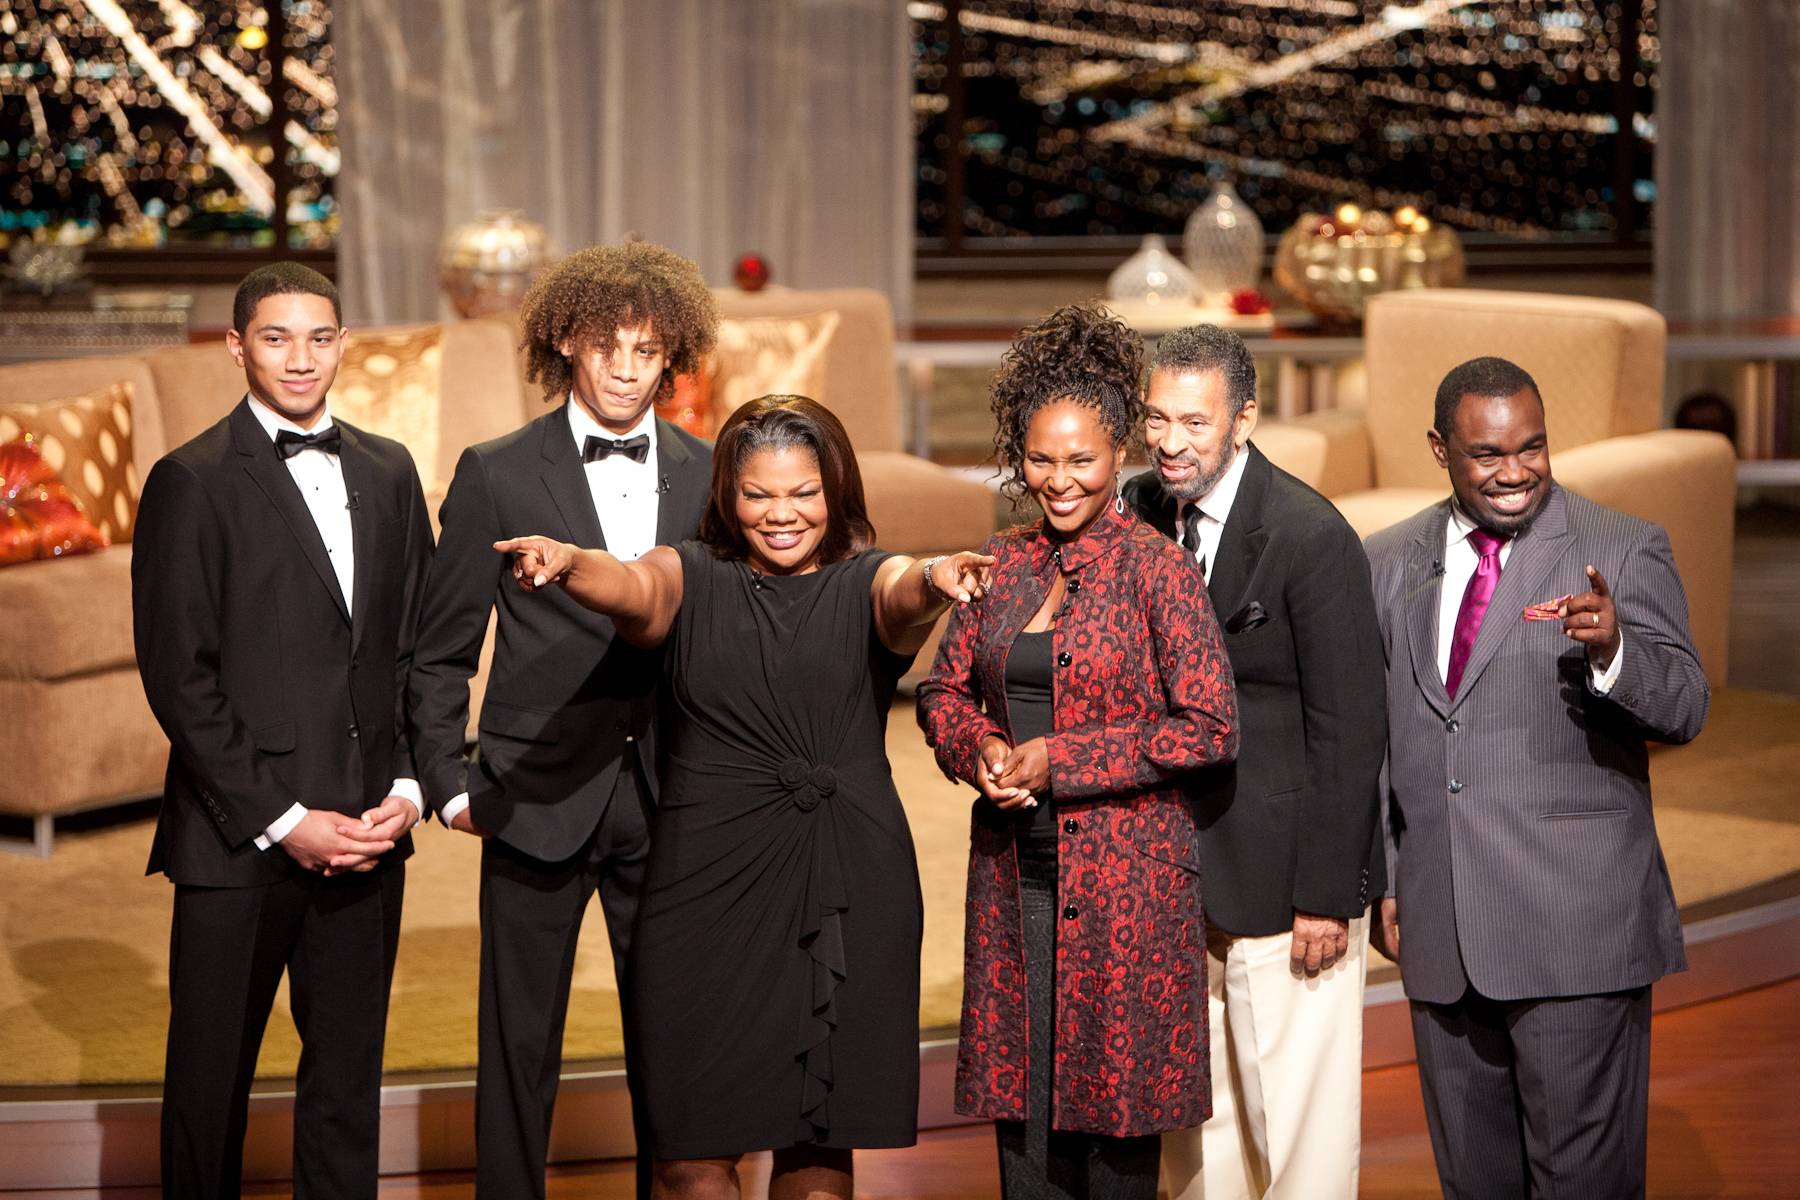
x=1203, y=480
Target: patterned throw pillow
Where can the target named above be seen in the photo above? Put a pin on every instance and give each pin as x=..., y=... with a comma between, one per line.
x=39, y=517
x=392, y=384
x=761, y=356
x=87, y=441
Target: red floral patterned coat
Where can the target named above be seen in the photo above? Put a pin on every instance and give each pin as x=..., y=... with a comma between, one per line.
x=1142, y=692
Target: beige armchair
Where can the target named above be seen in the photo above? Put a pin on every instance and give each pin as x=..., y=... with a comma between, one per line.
x=1599, y=365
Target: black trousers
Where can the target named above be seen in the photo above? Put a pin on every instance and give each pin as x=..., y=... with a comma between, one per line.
x=1038, y=1162
x=531, y=914
x=1540, y=1098
x=228, y=947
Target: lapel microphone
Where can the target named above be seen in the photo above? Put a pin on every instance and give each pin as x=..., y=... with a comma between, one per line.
x=663, y=486
x=355, y=501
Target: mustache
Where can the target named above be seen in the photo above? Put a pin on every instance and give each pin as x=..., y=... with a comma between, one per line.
x=1186, y=458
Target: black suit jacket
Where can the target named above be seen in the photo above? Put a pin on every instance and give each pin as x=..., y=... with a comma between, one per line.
x=564, y=693
x=1292, y=824
x=270, y=691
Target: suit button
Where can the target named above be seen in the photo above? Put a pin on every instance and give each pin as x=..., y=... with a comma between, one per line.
x=1074, y=585
x=1070, y=913
x=1064, y=659
x=354, y=734
x=1451, y=726
x=1455, y=786
x=1071, y=825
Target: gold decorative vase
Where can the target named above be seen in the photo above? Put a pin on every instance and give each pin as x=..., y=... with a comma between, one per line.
x=486, y=266
x=1333, y=264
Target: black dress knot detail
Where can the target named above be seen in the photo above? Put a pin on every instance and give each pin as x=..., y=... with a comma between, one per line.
x=807, y=783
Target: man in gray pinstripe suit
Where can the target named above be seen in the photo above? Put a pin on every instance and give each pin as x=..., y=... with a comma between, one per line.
x=1521, y=844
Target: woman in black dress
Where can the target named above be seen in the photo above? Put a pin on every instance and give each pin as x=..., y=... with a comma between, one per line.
x=775, y=967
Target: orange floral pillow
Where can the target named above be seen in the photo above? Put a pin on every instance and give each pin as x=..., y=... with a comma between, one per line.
x=39, y=516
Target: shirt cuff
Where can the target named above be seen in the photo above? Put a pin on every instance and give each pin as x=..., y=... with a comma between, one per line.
x=453, y=809
x=411, y=790
x=280, y=827
x=1601, y=682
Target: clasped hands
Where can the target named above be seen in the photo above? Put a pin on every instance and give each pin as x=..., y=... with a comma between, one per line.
x=334, y=844
x=1012, y=776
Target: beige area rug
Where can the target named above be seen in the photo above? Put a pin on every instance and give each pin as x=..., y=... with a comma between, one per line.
x=84, y=936
x=84, y=951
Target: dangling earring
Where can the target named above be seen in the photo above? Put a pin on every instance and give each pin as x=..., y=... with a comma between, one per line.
x=1118, y=496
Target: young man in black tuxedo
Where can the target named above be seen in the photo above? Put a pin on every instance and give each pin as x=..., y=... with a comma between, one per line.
x=564, y=781
x=276, y=568
x=1288, y=845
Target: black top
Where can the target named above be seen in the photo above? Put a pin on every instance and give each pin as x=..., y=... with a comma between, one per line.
x=775, y=971
x=1030, y=714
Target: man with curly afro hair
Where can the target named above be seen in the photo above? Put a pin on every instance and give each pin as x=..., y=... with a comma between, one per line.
x=563, y=783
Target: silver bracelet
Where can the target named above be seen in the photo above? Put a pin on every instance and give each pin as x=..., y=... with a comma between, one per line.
x=930, y=583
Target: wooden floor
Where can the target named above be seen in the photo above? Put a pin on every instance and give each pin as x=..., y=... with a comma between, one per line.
x=1724, y=1110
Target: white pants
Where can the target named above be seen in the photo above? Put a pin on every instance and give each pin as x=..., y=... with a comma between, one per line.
x=1286, y=1077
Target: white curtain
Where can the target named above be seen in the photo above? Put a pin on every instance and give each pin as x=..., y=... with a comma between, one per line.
x=712, y=126
x=1728, y=159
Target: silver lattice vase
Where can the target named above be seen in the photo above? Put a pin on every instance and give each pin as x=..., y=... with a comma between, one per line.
x=1223, y=245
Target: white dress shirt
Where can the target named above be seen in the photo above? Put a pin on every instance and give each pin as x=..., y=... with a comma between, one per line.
x=320, y=478
x=625, y=492
x=626, y=498
x=1460, y=561
x=1215, y=509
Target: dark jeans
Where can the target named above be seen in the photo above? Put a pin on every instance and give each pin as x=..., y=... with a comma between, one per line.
x=1036, y=1161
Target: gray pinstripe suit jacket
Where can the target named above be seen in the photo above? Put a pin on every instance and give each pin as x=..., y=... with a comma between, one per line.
x=1521, y=845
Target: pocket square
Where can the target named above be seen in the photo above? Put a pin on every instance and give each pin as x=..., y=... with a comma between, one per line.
x=1247, y=618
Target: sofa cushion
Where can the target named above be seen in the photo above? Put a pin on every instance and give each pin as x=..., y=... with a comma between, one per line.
x=1375, y=509
x=74, y=613
x=86, y=440
x=919, y=507
x=39, y=516
x=770, y=356
x=861, y=385
x=390, y=382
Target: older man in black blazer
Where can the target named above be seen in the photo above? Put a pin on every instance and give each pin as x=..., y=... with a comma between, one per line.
x=564, y=782
x=1288, y=844
x=1535, y=642
x=276, y=567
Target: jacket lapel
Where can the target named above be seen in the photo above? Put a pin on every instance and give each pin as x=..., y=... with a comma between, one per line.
x=567, y=483
x=1534, y=555
x=677, y=468
x=1424, y=588
x=359, y=478
x=1243, y=538
x=264, y=464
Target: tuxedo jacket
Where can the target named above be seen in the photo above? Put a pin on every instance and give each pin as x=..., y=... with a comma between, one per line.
x=271, y=689
x=1520, y=835
x=564, y=693
x=1292, y=824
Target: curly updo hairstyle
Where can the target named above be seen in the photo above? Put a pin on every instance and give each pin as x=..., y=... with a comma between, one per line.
x=586, y=298
x=1081, y=353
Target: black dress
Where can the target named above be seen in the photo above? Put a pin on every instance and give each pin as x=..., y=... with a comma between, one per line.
x=775, y=968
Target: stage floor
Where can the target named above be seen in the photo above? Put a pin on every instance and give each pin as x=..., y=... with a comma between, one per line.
x=84, y=934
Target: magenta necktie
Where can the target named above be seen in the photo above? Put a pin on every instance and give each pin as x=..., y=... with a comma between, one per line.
x=1474, y=604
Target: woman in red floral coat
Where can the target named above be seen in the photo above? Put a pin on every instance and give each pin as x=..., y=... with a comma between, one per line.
x=1074, y=697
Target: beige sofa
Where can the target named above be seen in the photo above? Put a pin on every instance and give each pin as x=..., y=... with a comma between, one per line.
x=1599, y=364
x=79, y=733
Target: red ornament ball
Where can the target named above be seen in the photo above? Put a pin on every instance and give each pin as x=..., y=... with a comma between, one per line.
x=750, y=272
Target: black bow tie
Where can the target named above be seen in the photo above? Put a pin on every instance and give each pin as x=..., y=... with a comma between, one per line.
x=637, y=449
x=289, y=443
